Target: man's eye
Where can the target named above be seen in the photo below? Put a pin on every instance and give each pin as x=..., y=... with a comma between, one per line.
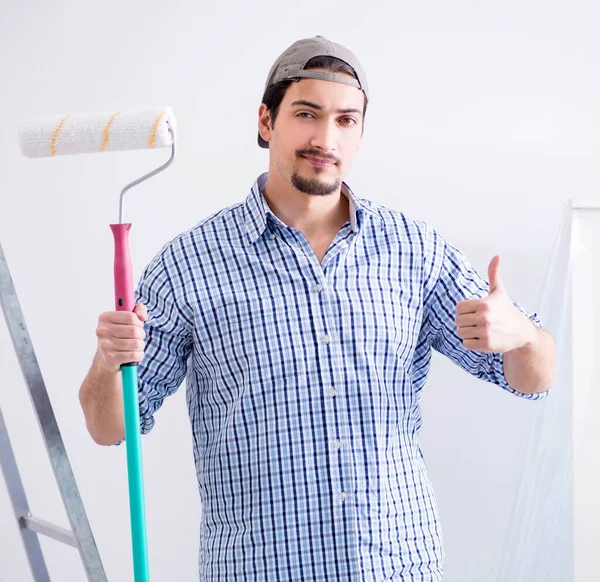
x=348, y=121
x=302, y=113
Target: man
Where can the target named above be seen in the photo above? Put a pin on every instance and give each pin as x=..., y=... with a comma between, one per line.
x=304, y=319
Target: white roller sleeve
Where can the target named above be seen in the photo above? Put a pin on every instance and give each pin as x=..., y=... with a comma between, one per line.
x=96, y=132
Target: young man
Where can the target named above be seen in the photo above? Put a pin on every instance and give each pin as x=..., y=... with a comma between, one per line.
x=303, y=320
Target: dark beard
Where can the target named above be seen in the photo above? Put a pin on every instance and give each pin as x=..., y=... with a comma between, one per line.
x=313, y=187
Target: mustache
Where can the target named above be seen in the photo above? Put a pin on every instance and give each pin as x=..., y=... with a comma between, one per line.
x=317, y=154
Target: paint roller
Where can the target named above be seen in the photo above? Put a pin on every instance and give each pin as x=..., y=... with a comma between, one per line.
x=106, y=132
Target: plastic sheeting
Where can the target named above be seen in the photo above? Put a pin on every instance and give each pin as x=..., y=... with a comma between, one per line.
x=554, y=529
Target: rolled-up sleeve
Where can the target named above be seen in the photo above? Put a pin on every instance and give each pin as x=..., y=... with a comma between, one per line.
x=168, y=341
x=448, y=279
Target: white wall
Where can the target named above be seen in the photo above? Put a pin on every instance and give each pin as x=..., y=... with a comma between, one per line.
x=483, y=120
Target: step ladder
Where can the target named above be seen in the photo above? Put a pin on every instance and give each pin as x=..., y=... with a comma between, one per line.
x=80, y=536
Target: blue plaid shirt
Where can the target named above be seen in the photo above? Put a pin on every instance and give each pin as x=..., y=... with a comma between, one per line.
x=303, y=383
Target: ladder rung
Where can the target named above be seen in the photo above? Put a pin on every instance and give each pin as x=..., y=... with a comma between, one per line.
x=48, y=529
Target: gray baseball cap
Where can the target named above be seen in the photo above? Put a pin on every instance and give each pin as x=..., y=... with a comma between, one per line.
x=290, y=66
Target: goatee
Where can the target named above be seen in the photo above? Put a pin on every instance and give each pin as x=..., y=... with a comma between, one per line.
x=314, y=187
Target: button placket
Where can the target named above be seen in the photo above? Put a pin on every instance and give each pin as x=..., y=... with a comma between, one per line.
x=339, y=434
x=341, y=466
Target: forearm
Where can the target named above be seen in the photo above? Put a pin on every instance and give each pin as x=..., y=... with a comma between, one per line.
x=101, y=398
x=532, y=368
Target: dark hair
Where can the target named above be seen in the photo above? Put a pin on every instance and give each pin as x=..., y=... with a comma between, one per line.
x=274, y=95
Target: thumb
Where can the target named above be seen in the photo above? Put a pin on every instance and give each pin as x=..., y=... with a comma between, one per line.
x=141, y=311
x=494, y=275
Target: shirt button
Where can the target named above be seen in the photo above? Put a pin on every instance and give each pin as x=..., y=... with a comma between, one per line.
x=343, y=496
x=326, y=338
x=332, y=391
x=337, y=444
x=319, y=288
x=273, y=235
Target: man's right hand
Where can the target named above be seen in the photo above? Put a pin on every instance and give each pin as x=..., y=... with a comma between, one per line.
x=121, y=337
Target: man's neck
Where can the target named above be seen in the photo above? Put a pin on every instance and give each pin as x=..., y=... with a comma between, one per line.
x=313, y=215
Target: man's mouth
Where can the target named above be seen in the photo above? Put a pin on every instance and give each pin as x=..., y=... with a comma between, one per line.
x=319, y=162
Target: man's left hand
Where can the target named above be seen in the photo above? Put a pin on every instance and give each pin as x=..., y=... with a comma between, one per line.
x=493, y=324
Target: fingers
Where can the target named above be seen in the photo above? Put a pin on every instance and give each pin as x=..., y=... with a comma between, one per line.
x=120, y=318
x=473, y=306
x=136, y=317
x=108, y=328
x=114, y=360
x=468, y=320
x=141, y=311
x=121, y=336
x=472, y=332
x=121, y=345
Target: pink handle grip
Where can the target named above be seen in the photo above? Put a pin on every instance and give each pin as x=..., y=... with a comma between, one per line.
x=124, y=293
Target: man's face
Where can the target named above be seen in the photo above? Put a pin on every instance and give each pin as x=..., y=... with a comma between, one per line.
x=316, y=134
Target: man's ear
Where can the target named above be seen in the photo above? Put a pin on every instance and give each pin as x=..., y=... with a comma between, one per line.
x=264, y=122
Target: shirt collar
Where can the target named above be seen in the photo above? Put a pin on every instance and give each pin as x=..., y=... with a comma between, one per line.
x=257, y=210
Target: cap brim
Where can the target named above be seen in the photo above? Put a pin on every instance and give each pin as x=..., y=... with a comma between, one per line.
x=262, y=143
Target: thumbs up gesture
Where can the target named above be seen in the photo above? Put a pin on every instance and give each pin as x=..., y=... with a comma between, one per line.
x=493, y=324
